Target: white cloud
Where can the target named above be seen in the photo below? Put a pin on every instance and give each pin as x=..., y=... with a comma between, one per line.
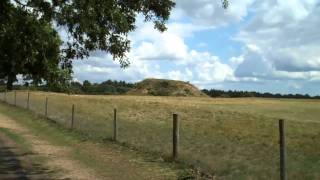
x=287, y=34
x=280, y=44
x=163, y=46
x=284, y=12
x=150, y=44
x=210, y=12
x=150, y=48
x=209, y=68
x=235, y=61
x=282, y=41
x=255, y=65
x=295, y=85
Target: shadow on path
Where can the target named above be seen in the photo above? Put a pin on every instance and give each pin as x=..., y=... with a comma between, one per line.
x=17, y=165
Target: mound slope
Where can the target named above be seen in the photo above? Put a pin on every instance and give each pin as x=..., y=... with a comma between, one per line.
x=163, y=87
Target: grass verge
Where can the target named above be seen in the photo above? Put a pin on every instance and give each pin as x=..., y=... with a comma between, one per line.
x=24, y=145
x=108, y=159
x=229, y=138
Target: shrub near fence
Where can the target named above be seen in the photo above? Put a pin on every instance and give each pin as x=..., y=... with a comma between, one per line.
x=222, y=138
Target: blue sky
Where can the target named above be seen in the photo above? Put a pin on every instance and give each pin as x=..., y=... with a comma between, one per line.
x=266, y=46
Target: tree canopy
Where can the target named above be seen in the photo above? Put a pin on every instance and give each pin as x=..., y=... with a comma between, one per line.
x=30, y=44
x=98, y=24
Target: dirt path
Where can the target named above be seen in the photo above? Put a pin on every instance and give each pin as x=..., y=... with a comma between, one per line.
x=16, y=164
x=71, y=158
x=57, y=156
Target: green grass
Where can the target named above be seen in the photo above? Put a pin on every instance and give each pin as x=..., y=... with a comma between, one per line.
x=24, y=145
x=91, y=151
x=230, y=138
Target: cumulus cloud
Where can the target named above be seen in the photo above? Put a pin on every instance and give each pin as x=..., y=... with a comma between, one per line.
x=286, y=35
x=253, y=65
x=151, y=48
x=210, y=12
x=256, y=66
x=162, y=47
x=280, y=44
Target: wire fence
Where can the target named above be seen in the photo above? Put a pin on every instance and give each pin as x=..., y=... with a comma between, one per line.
x=229, y=144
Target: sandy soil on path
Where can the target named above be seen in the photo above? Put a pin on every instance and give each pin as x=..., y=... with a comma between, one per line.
x=16, y=163
x=57, y=155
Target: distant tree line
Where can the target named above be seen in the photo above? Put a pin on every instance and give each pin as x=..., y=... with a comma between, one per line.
x=235, y=94
x=87, y=87
x=113, y=87
x=106, y=87
x=109, y=87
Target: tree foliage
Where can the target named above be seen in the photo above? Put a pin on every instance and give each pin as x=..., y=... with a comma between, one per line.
x=99, y=24
x=237, y=94
x=31, y=46
x=28, y=46
x=105, y=88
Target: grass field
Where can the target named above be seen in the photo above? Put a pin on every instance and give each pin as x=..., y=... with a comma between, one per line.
x=230, y=138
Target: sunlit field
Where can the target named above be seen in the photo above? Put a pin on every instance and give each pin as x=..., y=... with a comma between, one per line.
x=229, y=138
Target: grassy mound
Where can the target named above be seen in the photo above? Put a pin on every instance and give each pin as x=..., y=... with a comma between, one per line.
x=163, y=87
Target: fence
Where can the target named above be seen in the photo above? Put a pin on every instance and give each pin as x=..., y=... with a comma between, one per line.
x=226, y=143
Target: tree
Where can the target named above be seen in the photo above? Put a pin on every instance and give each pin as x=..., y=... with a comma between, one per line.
x=98, y=24
x=90, y=24
x=28, y=46
x=86, y=86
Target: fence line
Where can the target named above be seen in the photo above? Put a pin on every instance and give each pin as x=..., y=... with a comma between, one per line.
x=5, y=96
x=175, y=138
x=115, y=125
x=72, y=116
x=28, y=100
x=283, y=173
x=15, y=98
x=175, y=131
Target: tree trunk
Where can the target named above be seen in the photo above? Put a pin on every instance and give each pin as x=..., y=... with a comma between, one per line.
x=11, y=79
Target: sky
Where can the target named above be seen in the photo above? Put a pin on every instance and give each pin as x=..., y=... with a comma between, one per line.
x=256, y=45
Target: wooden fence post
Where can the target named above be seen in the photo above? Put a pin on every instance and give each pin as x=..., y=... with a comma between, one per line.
x=72, y=116
x=283, y=174
x=175, y=137
x=15, y=98
x=115, y=127
x=28, y=100
x=5, y=95
x=46, y=108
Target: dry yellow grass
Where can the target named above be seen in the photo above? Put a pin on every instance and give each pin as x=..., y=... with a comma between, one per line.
x=230, y=138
